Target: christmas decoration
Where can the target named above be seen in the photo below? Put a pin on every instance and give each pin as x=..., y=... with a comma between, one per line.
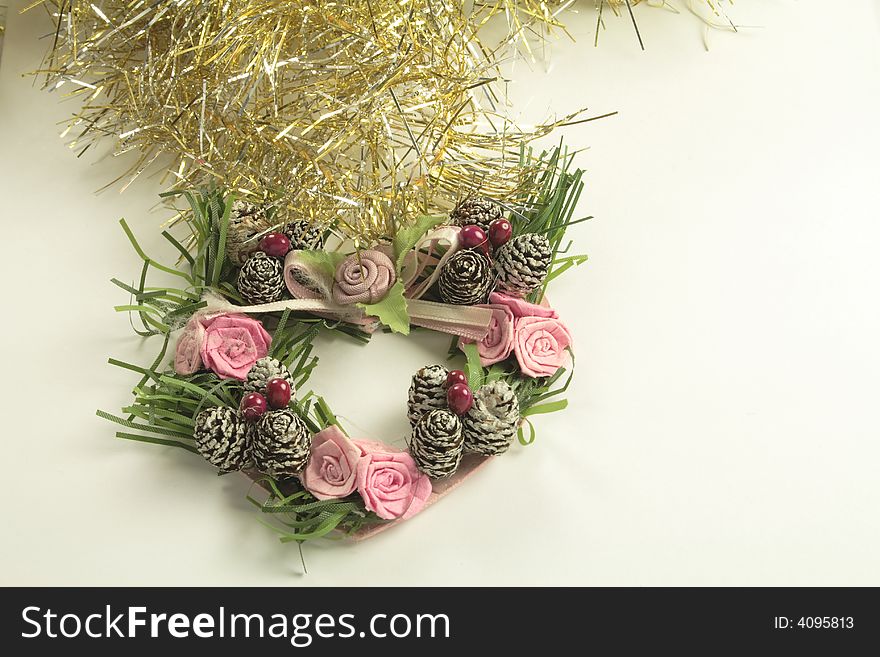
x=476, y=211
x=375, y=126
x=263, y=371
x=275, y=244
x=427, y=392
x=490, y=425
x=472, y=237
x=253, y=406
x=238, y=357
x=466, y=278
x=500, y=232
x=281, y=444
x=221, y=437
x=303, y=235
x=278, y=393
x=246, y=221
x=459, y=398
x=456, y=376
x=523, y=263
x=261, y=279
x=436, y=443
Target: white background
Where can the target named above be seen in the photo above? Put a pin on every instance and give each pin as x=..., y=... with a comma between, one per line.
x=723, y=426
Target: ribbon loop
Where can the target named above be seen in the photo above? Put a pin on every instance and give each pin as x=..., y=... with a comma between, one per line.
x=469, y=322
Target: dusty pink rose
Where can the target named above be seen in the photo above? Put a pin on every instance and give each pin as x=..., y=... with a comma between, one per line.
x=498, y=343
x=521, y=308
x=332, y=469
x=540, y=345
x=364, y=277
x=188, y=354
x=389, y=482
x=233, y=343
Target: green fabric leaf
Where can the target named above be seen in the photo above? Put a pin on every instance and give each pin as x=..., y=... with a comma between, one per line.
x=322, y=262
x=407, y=238
x=474, y=366
x=392, y=310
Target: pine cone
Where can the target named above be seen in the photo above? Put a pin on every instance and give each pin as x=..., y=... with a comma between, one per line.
x=466, y=278
x=221, y=436
x=281, y=444
x=490, y=425
x=522, y=264
x=261, y=279
x=246, y=222
x=437, y=443
x=303, y=235
x=478, y=211
x=427, y=392
x=263, y=371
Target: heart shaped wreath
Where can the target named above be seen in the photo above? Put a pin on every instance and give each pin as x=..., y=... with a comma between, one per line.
x=257, y=289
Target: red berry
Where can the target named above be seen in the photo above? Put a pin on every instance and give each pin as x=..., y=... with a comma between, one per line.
x=500, y=231
x=456, y=376
x=275, y=244
x=278, y=393
x=253, y=405
x=460, y=398
x=472, y=237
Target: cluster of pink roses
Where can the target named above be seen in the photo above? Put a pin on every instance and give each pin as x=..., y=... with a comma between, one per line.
x=226, y=343
x=533, y=333
x=389, y=482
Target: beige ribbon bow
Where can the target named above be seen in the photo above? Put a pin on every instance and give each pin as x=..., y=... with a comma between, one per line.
x=315, y=296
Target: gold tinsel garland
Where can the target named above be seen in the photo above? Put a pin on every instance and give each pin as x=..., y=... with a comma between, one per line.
x=360, y=113
x=363, y=113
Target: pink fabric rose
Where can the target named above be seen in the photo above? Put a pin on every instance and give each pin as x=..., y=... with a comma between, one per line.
x=233, y=343
x=363, y=277
x=498, y=343
x=540, y=345
x=389, y=482
x=521, y=308
x=332, y=469
x=188, y=354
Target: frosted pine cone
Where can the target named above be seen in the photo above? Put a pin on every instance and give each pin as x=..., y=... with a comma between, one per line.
x=478, y=211
x=522, y=264
x=491, y=423
x=466, y=279
x=437, y=443
x=282, y=444
x=221, y=436
x=427, y=392
x=303, y=235
x=246, y=222
x=263, y=371
x=261, y=279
